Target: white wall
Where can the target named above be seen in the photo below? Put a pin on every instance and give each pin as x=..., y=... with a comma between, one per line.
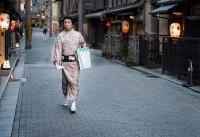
x=163, y=25
x=150, y=21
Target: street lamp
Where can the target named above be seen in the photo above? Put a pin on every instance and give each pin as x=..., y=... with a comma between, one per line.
x=4, y=25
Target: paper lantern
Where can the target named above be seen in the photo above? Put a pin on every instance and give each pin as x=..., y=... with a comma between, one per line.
x=108, y=24
x=175, y=30
x=125, y=26
x=4, y=21
x=12, y=28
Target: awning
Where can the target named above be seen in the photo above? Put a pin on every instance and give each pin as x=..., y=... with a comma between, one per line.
x=95, y=14
x=119, y=9
x=164, y=9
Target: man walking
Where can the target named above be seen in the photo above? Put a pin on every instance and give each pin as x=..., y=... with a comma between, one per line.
x=44, y=34
x=64, y=57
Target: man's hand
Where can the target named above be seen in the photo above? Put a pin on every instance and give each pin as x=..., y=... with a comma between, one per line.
x=71, y=58
x=81, y=43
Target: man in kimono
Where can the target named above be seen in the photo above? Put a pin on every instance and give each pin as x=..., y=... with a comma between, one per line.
x=64, y=57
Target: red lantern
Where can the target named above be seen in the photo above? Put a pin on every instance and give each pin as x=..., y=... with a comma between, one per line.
x=108, y=24
x=12, y=28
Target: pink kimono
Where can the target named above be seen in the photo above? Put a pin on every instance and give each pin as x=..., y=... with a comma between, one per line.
x=67, y=44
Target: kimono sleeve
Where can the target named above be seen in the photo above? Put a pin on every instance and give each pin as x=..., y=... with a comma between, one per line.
x=57, y=51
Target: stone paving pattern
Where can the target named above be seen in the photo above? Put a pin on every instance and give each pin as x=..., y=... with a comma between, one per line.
x=114, y=101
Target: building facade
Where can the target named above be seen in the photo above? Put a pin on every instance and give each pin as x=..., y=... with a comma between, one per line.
x=180, y=52
x=10, y=34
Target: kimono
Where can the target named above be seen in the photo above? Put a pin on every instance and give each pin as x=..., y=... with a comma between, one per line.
x=66, y=44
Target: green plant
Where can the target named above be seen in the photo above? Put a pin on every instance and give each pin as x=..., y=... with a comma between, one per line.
x=110, y=33
x=104, y=49
x=123, y=51
x=130, y=52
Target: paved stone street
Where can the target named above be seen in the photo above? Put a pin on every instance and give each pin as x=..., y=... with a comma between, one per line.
x=114, y=101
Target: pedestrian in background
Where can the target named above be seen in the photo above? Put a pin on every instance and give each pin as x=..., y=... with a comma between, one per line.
x=44, y=34
x=64, y=57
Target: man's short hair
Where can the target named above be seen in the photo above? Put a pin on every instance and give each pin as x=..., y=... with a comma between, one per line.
x=70, y=18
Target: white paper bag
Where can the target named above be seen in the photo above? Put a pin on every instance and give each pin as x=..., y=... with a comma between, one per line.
x=84, y=58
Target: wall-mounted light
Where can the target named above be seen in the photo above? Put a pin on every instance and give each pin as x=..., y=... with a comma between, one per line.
x=17, y=45
x=132, y=17
x=6, y=65
x=178, y=13
x=125, y=26
x=175, y=30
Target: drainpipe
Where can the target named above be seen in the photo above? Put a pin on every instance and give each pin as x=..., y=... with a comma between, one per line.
x=80, y=15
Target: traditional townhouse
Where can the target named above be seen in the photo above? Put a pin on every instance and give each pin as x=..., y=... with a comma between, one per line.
x=95, y=17
x=36, y=16
x=127, y=19
x=70, y=8
x=179, y=37
x=56, y=15
x=122, y=22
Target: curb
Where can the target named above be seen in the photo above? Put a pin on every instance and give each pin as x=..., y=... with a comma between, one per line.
x=5, y=83
x=194, y=89
x=164, y=77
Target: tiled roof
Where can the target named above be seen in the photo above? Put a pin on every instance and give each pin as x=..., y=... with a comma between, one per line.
x=163, y=9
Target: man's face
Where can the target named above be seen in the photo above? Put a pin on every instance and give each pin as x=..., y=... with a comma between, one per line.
x=67, y=24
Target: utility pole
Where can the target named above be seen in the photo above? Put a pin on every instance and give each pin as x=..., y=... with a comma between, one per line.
x=50, y=18
x=80, y=15
x=28, y=24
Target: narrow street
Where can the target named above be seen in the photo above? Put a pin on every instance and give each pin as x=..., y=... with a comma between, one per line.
x=114, y=101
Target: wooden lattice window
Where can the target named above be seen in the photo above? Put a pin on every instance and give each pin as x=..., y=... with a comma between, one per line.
x=195, y=10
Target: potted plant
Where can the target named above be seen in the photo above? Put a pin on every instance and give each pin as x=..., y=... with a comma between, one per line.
x=129, y=60
x=104, y=50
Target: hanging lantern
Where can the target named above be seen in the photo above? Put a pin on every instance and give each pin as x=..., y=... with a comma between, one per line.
x=125, y=26
x=175, y=30
x=4, y=21
x=108, y=24
x=12, y=28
